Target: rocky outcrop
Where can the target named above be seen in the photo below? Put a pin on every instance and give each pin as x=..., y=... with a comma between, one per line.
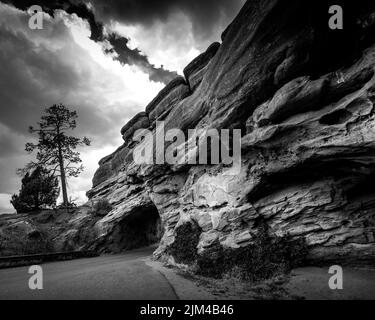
x=304, y=101
x=47, y=231
x=140, y=121
x=195, y=71
x=112, y=164
x=174, y=92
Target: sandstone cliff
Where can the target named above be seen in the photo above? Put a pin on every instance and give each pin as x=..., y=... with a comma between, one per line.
x=303, y=96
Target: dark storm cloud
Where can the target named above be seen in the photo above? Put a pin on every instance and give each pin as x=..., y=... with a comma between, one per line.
x=48, y=67
x=119, y=44
x=204, y=14
x=79, y=8
x=135, y=57
x=33, y=78
x=42, y=68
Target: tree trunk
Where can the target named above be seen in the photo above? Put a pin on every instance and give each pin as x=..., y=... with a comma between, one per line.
x=63, y=180
x=62, y=174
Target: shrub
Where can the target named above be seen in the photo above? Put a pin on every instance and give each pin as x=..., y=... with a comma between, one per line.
x=212, y=262
x=184, y=248
x=266, y=257
x=39, y=190
x=102, y=207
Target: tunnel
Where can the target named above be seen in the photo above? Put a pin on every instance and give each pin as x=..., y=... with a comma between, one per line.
x=141, y=228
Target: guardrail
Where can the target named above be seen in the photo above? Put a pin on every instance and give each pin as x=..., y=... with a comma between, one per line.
x=16, y=261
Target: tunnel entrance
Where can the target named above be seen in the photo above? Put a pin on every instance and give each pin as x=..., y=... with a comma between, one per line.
x=140, y=229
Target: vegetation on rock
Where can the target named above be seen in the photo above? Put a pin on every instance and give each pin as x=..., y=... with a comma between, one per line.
x=101, y=207
x=264, y=258
x=184, y=248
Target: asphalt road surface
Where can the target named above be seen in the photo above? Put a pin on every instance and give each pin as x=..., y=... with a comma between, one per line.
x=108, y=277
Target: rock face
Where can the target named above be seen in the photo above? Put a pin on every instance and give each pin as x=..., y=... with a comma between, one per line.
x=47, y=231
x=303, y=97
x=140, y=121
x=195, y=71
x=174, y=92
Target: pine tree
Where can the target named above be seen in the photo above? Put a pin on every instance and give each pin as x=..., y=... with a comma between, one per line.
x=56, y=150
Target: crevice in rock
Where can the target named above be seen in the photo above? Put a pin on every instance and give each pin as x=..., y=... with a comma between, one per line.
x=364, y=188
x=311, y=171
x=336, y=117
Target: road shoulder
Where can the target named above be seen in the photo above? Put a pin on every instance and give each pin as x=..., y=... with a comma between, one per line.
x=184, y=288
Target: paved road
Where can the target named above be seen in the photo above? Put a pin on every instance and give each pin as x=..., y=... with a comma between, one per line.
x=108, y=277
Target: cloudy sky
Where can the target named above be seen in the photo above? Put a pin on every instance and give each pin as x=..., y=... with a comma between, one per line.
x=105, y=59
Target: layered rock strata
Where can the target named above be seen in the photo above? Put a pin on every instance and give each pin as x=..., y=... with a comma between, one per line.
x=303, y=97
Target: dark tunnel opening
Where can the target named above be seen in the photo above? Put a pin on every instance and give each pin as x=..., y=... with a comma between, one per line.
x=139, y=229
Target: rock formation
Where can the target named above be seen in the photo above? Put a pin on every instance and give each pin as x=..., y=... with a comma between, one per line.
x=303, y=96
